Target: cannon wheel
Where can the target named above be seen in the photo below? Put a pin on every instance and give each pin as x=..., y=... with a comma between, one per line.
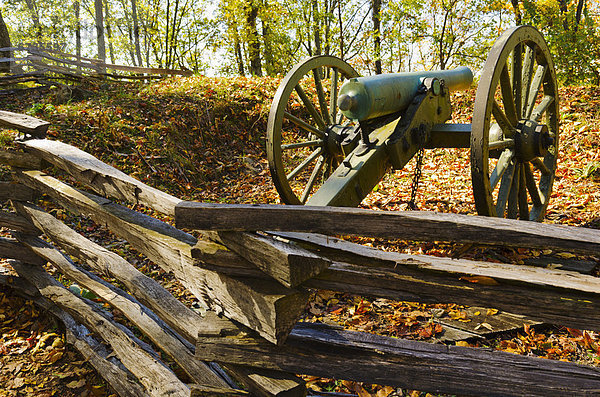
x=512, y=168
x=300, y=146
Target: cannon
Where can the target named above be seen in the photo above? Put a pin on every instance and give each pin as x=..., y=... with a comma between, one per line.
x=332, y=135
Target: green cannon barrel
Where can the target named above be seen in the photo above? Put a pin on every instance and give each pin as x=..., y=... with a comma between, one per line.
x=364, y=98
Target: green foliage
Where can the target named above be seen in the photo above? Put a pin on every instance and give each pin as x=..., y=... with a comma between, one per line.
x=267, y=37
x=574, y=38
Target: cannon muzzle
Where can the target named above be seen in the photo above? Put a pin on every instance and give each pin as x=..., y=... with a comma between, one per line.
x=363, y=98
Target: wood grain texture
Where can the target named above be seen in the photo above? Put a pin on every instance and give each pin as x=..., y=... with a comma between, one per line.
x=549, y=295
x=203, y=391
x=555, y=296
x=185, y=321
x=17, y=223
x=100, y=177
x=139, y=315
x=20, y=159
x=98, y=356
x=264, y=306
x=12, y=249
x=15, y=191
x=405, y=225
x=286, y=263
x=325, y=351
x=158, y=379
x=24, y=123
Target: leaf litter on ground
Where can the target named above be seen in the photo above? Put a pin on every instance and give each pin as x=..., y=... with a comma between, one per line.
x=203, y=139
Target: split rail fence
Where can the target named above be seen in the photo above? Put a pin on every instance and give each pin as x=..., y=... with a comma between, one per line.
x=43, y=67
x=253, y=265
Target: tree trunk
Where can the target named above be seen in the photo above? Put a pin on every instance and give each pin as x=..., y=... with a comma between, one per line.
x=316, y=27
x=376, y=34
x=268, y=52
x=339, y=6
x=4, y=42
x=100, y=30
x=76, y=8
x=238, y=51
x=111, y=50
x=136, y=32
x=36, y=20
x=580, y=4
x=253, y=43
x=517, y=11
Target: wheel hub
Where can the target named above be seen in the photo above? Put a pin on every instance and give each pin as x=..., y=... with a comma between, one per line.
x=532, y=140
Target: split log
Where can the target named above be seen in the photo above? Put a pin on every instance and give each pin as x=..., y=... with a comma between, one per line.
x=17, y=223
x=23, y=123
x=286, y=263
x=148, y=323
x=20, y=159
x=549, y=295
x=158, y=379
x=182, y=319
x=102, y=178
x=94, y=352
x=217, y=257
x=202, y=391
x=98, y=356
x=321, y=350
x=15, y=191
x=404, y=225
x=264, y=306
x=12, y=249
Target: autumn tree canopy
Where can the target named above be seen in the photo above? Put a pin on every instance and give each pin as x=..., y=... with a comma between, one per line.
x=266, y=37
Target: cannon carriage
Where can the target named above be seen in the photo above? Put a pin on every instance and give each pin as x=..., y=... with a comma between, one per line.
x=351, y=130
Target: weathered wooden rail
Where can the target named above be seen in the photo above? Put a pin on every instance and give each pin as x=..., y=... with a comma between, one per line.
x=46, y=67
x=255, y=285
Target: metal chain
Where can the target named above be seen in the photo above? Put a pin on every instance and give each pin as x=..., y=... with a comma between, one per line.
x=412, y=204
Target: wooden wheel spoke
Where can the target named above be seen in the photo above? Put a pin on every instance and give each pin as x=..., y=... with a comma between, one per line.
x=505, y=189
x=507, y=96
x=536, y=84
x=540, y=166
x=517, y=64
x=321, y=95
x=297, y=145
x=310, y=107
x=528, y=61
x=540, y=109
x=313, y=177
x=333, y=94
x=503, y=144
x=534, y=192
x=304, y=125
x=513, y=196
x=523, y=203
x=502, y=120
x=304, y=164
x=503, y=162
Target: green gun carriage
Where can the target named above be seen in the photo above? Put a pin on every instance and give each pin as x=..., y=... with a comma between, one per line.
x=333, y=135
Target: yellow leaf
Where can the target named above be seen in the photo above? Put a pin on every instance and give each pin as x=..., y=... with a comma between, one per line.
x=491, y=312
x=565, y=255
x=462, y=343
x=76, y=384
x=477, y=313
x=483, y=280
x=385, y=391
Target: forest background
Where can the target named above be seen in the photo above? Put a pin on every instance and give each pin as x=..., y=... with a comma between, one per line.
x=266, y=37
